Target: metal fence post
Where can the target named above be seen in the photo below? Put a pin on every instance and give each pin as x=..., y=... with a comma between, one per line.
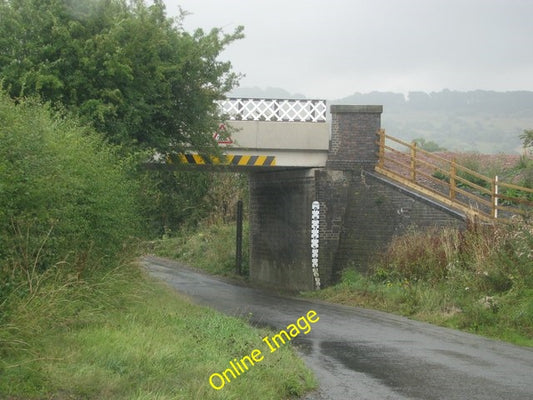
x=238, y=242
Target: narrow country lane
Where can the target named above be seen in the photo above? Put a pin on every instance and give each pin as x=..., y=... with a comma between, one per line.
x=363, y=354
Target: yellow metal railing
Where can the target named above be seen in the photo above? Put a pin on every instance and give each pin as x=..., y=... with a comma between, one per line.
x=450, y=182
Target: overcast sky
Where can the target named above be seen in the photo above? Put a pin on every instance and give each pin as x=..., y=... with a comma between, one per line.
x=331, y=49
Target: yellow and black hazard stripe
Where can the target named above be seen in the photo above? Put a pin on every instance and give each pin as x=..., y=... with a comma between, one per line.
x=233, y=160
x=255, y=161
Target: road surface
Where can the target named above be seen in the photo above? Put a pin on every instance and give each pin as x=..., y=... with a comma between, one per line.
x=364, y=354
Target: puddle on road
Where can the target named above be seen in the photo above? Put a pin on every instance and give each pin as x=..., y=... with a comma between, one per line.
x=404, y=374
x=304, y=346
x=464, y=357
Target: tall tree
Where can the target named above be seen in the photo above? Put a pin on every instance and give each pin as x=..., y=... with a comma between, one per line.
x=123, y=66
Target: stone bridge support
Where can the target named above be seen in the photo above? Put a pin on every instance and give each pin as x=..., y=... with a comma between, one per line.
x=360, y=211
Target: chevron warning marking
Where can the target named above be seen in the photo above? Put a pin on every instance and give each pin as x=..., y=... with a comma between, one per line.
x=236, y=160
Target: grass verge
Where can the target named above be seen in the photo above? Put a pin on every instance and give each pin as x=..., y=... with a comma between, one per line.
x=121, y=335
x=210, y=247
x=479, y=280
x=507, y=318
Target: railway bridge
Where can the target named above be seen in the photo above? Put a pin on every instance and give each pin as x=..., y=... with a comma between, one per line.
x=320, y=198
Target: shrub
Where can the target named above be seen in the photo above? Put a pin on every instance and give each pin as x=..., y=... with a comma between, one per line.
x=65, y=198
x=485, y=258
x=419, y=255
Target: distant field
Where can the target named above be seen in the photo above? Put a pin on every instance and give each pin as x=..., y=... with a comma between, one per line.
x=482, y=132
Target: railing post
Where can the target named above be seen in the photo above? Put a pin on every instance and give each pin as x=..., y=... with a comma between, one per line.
x=495, y=197
x=413, y=162
x=453, y=171
x=381, y=160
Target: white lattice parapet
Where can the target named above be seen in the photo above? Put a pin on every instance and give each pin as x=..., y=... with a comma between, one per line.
x=286, y=110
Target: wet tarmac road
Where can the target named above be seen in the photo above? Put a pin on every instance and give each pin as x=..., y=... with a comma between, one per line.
x=363, y=354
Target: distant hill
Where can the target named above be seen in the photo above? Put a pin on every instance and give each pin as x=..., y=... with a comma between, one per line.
x=497, y=103
x=483, y=121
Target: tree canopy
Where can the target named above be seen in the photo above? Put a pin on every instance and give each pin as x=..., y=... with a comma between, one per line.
x=123, y=66
x=527, y=139
x=428, y=145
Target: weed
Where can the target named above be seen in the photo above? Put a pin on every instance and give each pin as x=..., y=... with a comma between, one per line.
x=120, y=335
x=77, y=320
x=210, y=247
x=418, y=255
x=479, y=279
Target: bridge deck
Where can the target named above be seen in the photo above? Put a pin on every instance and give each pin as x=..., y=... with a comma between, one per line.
x=298, y=144
x=265, y=133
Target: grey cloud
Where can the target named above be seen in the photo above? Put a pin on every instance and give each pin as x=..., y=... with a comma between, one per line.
x=343, y=46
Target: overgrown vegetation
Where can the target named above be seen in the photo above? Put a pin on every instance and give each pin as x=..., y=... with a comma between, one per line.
x=171, y=199
x=117, y=335
x=479, y=280
x=66, y=199
x=77, y=318
x=133, y=74
x=519, y=173
x=210, y=246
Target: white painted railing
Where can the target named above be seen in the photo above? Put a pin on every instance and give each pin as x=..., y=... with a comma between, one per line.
x=286, y=110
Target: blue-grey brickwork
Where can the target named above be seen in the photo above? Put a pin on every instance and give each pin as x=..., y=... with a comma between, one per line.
x=332, y=189
x=280, y=228
x=353, y=137
x=360, y=211
x=376, y=211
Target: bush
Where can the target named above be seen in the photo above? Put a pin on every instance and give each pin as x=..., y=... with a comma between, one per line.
x=209, y=246
x=479, y=279
x=493, y=259
x=171, y=199
x=419, y=255
x=65, y=199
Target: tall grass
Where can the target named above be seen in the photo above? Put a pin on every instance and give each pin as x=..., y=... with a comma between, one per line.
x=479, y=279
x=65, y=197
x=210, y=246
x=66, y=203
x=77, y=319
x=119, y=335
